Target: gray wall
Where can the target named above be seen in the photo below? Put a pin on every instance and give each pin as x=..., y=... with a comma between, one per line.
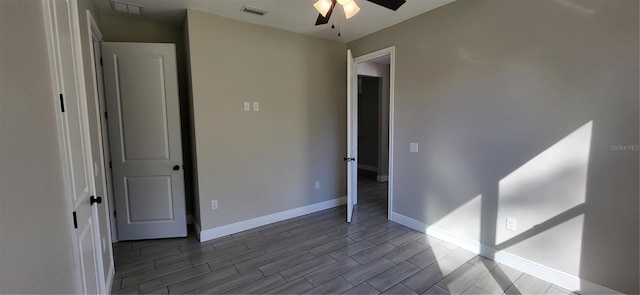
x=516, y=106
x=259, y=163
x=35, y=228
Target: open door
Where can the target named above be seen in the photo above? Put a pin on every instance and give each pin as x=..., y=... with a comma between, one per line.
x=352, y=135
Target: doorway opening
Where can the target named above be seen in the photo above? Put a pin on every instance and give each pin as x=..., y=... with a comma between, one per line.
x=373, y=139
x=374, y=129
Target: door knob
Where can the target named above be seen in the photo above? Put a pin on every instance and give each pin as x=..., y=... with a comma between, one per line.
x=176, y=167
x=93, y=199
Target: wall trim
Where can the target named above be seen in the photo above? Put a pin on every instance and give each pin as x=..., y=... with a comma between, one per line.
x=382, y=178
x=554, y=276
x=213, y=233
x=367, y=167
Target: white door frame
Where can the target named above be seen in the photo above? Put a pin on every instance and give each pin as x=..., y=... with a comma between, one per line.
x=391, y=52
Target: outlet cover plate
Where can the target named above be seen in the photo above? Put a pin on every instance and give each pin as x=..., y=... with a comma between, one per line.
x=413, y=147
x=511, y=224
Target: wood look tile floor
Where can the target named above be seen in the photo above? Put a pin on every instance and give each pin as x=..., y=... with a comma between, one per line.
x=318, y=253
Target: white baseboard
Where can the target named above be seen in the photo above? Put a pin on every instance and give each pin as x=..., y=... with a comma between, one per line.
x=210, y=234
x=368, y=167
x=554, y=276
x=382, y=178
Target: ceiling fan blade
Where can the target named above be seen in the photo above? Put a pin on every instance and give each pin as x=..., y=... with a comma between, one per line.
x=325, y=19
x=391, y=4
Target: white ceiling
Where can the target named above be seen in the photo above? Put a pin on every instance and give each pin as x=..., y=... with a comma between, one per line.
x=292, y=15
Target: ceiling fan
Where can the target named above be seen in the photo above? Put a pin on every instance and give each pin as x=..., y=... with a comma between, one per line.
x=325, y=7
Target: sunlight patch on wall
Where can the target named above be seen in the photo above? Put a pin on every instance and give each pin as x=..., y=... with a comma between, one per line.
x=544, y=193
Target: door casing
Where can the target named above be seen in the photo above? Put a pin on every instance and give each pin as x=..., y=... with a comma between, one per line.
x=391, y=52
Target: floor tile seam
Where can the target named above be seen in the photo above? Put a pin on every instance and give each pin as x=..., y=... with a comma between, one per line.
x=119, y=276
x=122, y=286
x=474, y=285
x=202, y=247
x=443, y=277
x=310, y=284
x=482, y=268
x=385, y=256
x=513, y=282
x=385, y=269
x=161, y=249
x=547, y=289
x=173, y=273
x=474, y=281
x=257, y=267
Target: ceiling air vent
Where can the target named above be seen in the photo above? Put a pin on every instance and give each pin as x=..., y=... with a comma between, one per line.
x=253, y=10
x=125, y=7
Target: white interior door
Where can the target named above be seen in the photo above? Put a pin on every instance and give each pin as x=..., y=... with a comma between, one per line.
x=141, y=87
x=352, y=135
x=63, y=18
x=102, y=106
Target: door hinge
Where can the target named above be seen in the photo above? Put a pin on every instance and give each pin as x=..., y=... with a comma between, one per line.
x=75, y=220
x=106, y=116
x=110, y=166
x=61, y=103
x=114, y=214
x=101, y=62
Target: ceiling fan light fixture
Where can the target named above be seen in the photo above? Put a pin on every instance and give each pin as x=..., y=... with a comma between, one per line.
x=323, y=6
x=350, y=9
x=344, y=2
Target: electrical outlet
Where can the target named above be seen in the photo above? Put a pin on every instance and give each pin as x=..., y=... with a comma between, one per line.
x=256, y=106
x=413, y=147
x=317, y=184
x=214, y=204
x=511, y=224
x=247, y=106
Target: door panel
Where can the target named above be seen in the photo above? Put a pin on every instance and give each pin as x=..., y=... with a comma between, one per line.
x=141, y=89
x=149, y=199
x=143, y=102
